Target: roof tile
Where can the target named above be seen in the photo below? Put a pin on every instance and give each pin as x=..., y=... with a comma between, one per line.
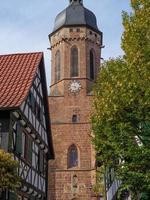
x=17, y=72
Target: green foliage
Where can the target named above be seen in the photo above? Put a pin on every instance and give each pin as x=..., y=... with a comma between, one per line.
x=121, y=108
x=8, y=172
x=145, y=196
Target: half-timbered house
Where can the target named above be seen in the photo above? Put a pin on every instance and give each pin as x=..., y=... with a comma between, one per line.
x=24, y=122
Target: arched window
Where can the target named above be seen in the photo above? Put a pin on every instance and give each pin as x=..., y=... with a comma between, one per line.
x=74, y=62
x=72, y=156
x=91, y=64
x=57, y=66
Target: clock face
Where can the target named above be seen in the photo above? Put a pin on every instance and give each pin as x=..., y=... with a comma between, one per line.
x=75, y=86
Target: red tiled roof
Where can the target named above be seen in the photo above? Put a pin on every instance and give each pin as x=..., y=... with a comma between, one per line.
x=17, y=72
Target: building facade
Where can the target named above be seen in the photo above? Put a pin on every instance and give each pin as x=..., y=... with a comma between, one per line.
x=24, y=122
x=76, y=51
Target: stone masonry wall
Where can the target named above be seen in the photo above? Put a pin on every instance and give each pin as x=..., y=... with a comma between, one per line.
x=72, y=183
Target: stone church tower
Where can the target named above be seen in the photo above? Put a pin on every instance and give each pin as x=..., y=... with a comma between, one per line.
x=76, y=50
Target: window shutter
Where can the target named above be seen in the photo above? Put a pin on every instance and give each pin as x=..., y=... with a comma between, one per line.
x=41, y=114
x=30, y=150
x=41, y=162
x=18, y=138
x=32, y=101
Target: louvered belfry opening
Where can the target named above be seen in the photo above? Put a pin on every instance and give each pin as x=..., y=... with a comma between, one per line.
x=74, y=62
x=91, y=65
x=57, y=66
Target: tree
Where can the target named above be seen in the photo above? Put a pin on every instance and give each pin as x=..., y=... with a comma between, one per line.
x=8, y=172
x=121, y=108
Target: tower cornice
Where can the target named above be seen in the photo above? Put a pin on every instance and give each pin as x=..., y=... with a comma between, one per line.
x=75, y=39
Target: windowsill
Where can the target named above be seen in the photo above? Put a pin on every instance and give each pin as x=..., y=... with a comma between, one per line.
x=73, y=168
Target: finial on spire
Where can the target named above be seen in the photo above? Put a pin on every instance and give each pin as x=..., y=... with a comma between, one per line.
x=76, y=1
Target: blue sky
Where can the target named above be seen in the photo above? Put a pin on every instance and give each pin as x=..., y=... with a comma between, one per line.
x=25, y=25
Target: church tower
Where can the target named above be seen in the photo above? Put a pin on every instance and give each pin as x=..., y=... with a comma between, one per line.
x=76, y=51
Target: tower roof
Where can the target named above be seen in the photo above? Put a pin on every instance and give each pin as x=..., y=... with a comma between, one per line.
x=75, y=15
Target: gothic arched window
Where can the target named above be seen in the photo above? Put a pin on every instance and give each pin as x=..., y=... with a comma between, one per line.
x=57, y=66
x=74, y=62
x=91, y=65
x=72, y=156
